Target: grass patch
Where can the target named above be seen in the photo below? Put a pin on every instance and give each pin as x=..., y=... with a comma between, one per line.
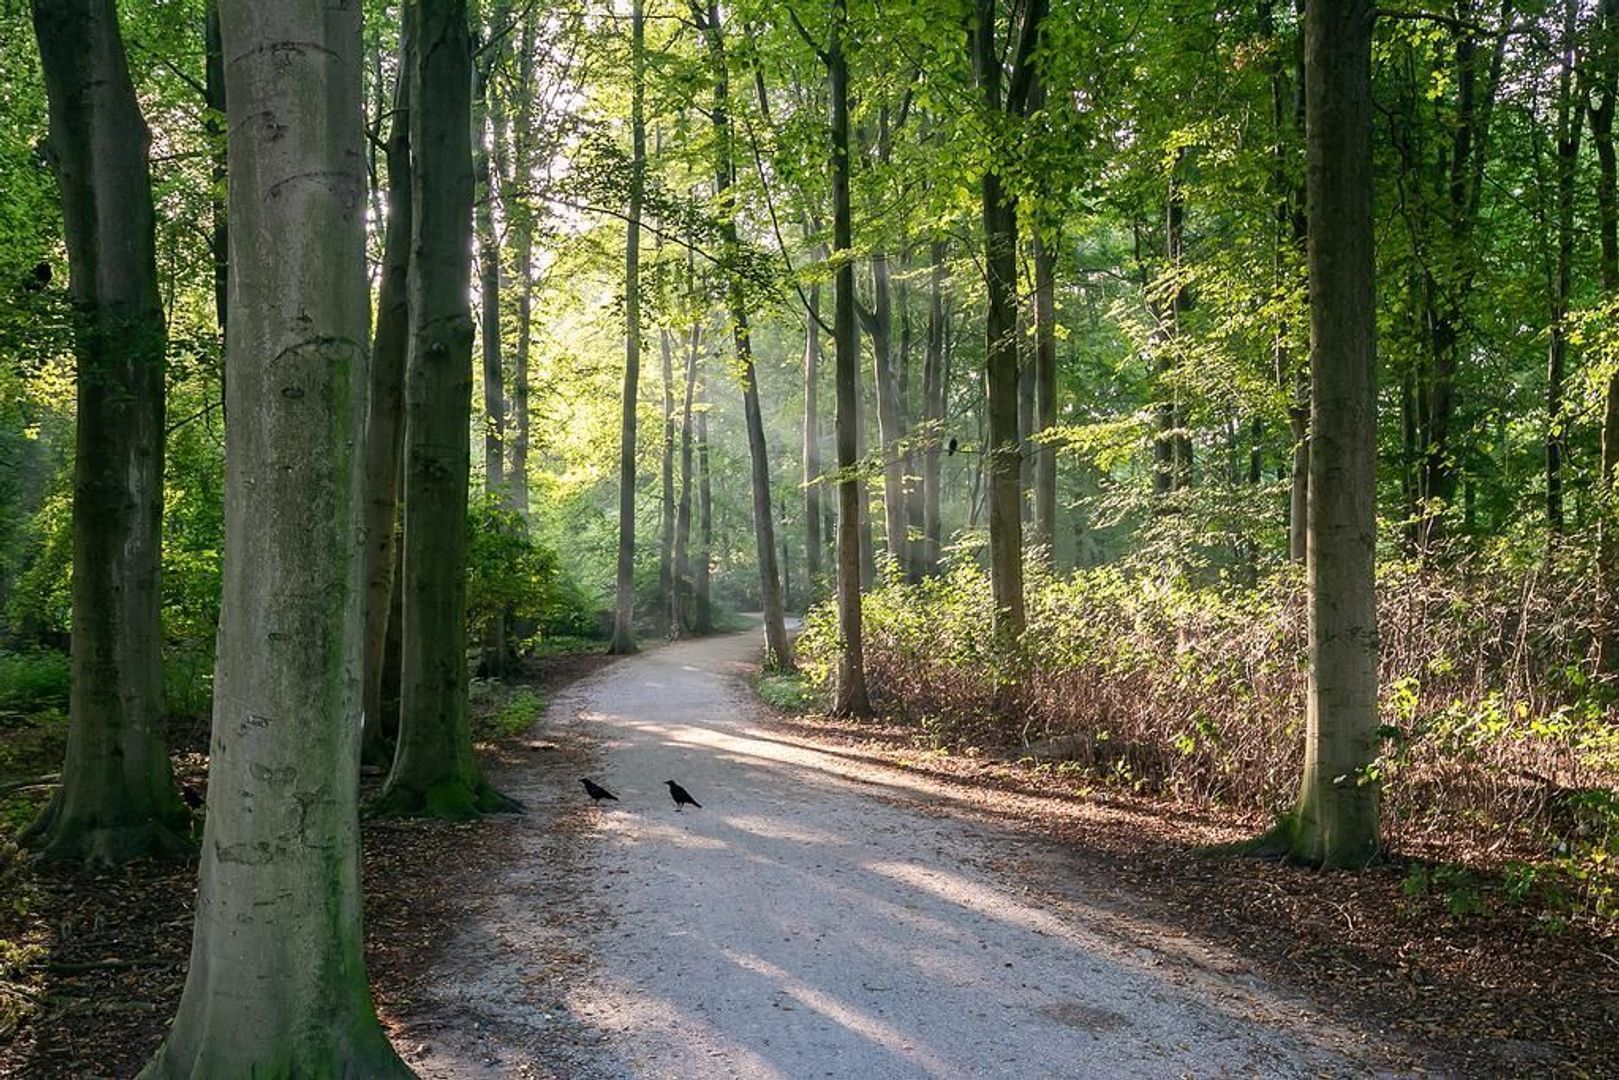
x=790, y=692
x=506, y=712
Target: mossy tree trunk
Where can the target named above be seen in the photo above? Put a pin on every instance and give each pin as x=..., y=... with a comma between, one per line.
x=276, y=986
x=435, y=772
x=117, y=800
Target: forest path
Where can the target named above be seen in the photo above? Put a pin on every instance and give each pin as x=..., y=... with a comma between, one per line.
x=819, y=916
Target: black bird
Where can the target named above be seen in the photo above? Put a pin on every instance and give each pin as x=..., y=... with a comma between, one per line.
x=681, y=796
x=192, y=795
x=596, y=792
x=38, y=278
x=953, y=447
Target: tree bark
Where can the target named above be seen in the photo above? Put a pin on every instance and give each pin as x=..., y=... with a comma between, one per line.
x=435, y=772
x=850, y=694
x=214, y=99
x=890, y=418
x=117, y=800
x=494, y=379
x=384, y=440
x=623, y=641
x=1336, y=823
x=276, y=985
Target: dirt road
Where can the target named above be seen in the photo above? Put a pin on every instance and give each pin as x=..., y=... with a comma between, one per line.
x=817, y=917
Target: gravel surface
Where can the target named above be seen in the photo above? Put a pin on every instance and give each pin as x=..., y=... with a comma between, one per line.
x=819, y=916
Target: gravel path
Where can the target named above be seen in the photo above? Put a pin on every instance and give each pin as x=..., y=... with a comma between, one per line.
x=817, y=917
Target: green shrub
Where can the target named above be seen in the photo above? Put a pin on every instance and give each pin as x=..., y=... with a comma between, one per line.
x=33, y=680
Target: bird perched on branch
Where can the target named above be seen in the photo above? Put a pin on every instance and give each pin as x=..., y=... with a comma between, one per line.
x=38, y=278
x=950, y=451
x=596, y=792
x=681, y=796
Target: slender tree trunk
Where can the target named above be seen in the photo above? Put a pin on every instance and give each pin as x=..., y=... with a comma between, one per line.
x=494, y=380
x=778, y=649
x=812, y=439
x=276, y=985
x=933, y=411
x=1570, y=124
x=680, y=616
x=523, y=244
x=624, y=600
x=1045, y=397
x=851, y=698
x=1001, y=345
x=890, y=419
x=703, y=615
x=1336, y=823
x=435, y=772
x=1605, y=64
x=666, y=532
x=384, y=440
x=117, y=800
x=214, y=99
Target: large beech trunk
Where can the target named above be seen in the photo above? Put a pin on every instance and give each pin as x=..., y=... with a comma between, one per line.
x=435, y=772
x=117, y=800
x=1336, y=822
x=276, y=985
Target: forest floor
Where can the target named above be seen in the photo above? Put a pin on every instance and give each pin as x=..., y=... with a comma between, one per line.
x=844, y=905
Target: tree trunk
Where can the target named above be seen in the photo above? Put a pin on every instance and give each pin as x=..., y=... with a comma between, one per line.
x=276, y=985
x=494, y=381
x=1570, y=123
x=522, y=215
x=851, y=698
x=117, y=800
x=384, y=440
x=1336, y=823
x=1045, y=397
x=666, y=532
x=1605, y=62
x=778, y=650
x=214, y=99
x=890, y=419
x=624, y=597
x=1001, y=346
x=933, y=411
x=680, y=615
x=812, y=440
x=435, y=772
x=703, y=615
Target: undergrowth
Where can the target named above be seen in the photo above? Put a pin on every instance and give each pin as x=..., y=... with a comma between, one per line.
x=1498, y=748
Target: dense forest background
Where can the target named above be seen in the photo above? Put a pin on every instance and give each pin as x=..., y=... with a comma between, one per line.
x=666, y=184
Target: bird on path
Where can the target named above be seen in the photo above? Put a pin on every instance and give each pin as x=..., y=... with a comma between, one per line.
x=596, y=792
x=681, y=796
